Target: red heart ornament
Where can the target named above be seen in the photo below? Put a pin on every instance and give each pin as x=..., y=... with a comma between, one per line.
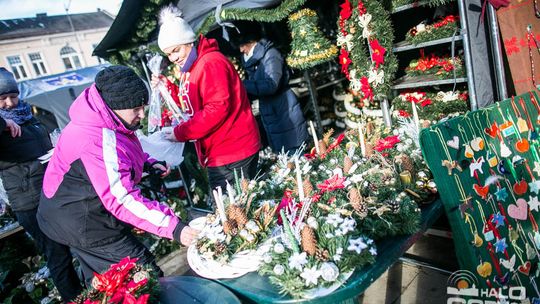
x=521, y=187
x=492, y=131
x=481, y=191
x=525, y=268
x=522, y=145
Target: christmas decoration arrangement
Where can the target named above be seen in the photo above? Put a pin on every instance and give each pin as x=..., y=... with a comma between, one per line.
x=124, y=282
x=228, y=245
x=308, y=47
x=444, y=28
x=432, y=106
x=442, y=67
x=489, y=162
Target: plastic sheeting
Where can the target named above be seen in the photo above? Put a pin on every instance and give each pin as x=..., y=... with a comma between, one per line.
x=56, y=93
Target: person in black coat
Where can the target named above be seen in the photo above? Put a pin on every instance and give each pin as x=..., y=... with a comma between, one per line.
x=22, y=140
x=268, y=80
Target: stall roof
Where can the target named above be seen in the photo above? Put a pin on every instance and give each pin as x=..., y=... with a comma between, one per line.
x=194, y=11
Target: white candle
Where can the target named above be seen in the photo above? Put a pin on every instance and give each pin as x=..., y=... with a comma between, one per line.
x=299, y=179
x=415, y=115
x=314, y=134
x=362, y=142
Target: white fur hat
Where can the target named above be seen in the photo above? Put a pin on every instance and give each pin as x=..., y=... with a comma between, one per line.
x=173, y=29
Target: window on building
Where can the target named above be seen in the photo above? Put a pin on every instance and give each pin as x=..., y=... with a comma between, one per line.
x=17, y=67
x=70, y=58
x=38, y=64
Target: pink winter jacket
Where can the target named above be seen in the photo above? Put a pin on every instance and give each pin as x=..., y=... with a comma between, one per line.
x=111, y=160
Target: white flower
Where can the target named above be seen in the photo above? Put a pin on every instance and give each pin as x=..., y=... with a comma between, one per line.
x=357, y=178
x=29, y=287
x=45, y=300
x=334, y=219
x=355, y=84
x=252, y=226
x=140, y=276
x=243, y=233
x=312, y=222
x=306, y=168
x=279, y=269
x=298, y=260
x=337, y=256
x=420, y=27
x=364, y=21
x=279, y=248
x=376, y=78
x=267, y=258
x=357, y=245
x=250, y=238
x=348, y=225
x=373, y=251
x=311, y=275
x=329, y=271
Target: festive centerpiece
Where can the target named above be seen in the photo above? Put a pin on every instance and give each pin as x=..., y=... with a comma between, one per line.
x=228, y=245
x=124, y=282
x=432, y=106
x=441, y=67
x=444, y=28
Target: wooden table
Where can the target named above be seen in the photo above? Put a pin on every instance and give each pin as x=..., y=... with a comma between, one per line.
x=253, y=288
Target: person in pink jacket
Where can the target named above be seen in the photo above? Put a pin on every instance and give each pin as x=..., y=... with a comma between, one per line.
x=90, y=201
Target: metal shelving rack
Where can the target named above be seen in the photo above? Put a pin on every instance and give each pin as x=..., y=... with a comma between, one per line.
x=406, y=82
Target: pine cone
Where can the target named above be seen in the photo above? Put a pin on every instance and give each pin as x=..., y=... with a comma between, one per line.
x=322, y=147
x=244, y=185
x=407, y=163
x=290, y=165
x=327, y=136
x=220, y=248
x=357, y=202
x=308, y=188
x=309, y=242
x=237, y=214
x=394, y=206
x=369, y=149
x=230, y=227
x=322, y=255
x=347, y=164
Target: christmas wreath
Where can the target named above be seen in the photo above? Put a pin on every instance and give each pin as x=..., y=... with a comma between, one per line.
x=370, y=69
x=444, y=28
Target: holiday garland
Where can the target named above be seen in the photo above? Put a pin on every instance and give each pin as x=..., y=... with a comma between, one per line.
x=432, y=106
x=262, y=15
x=444, y=28
x=441, y=67
x=370, y=69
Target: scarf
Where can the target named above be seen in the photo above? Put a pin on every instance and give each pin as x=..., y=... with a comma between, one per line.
x=19, y=115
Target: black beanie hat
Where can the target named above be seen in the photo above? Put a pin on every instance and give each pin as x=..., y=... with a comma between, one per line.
x=247, y=31
x=121, y=88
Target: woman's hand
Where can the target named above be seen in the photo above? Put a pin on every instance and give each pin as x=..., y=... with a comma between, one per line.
x=13, y=127
x=155, y=80
x=165, y=169
x=187, y=235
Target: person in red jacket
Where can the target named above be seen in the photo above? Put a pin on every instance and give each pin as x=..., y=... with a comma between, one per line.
x=212, y=94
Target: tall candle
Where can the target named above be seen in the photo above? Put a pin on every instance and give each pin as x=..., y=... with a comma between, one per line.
x=314, y=134
x=415, y=116
x=299, y=179
x=362, y=141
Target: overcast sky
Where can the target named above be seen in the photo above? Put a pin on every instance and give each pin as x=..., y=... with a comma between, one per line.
x=11, y=9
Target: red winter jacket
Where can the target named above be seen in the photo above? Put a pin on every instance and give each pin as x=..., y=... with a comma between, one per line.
x=222, y=123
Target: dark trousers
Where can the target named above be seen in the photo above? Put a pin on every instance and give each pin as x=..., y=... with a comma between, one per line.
x=59, y=258
x=218, y=176
x=99, y=258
